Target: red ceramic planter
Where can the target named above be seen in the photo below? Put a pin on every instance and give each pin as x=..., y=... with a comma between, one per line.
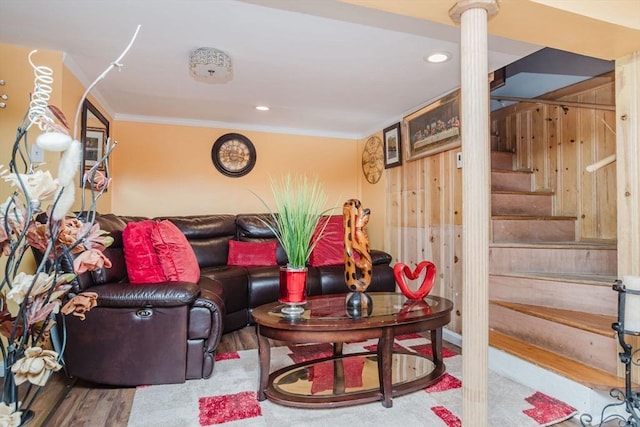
x=293, y=290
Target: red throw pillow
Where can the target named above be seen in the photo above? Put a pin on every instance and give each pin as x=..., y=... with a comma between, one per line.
x=175, y=254
x=330, y=248
x=252, y=254
x=139, y=254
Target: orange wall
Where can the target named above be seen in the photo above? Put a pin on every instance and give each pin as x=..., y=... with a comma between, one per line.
x=66, y=93
x=167, y=169
x=18, y=75
x=72, y=91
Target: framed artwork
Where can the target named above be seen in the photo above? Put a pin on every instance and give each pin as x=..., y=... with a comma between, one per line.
x=433, y=128
x=392, y=146
x=94, y=135
x=95, y=139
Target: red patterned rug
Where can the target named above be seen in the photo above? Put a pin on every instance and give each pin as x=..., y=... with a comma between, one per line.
x=229, y=397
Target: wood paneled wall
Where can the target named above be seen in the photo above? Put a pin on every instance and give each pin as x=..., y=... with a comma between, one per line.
x=424, y=221
x=424, y=196
x=558, y=143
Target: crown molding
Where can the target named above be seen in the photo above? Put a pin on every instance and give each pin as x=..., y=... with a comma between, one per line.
x=73, y=67
x=232, y=126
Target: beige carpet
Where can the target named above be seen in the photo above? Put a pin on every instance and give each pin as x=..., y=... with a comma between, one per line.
x=228, y=398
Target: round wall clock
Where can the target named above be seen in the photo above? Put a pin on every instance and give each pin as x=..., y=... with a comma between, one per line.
x=373, y=159
x=233, y=155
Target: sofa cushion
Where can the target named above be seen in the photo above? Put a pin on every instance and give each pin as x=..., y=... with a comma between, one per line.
x=252, y=254
x=253, y=228
x=330, y=248
x=208, y=235
x=143, y=265
x=175, y=255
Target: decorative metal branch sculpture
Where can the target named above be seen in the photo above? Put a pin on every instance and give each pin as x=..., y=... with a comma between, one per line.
x=29, y=302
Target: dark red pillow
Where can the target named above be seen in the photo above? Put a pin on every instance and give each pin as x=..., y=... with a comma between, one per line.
x=252, y=254
x=140, y=256
x=330, y=248
x=175, y=254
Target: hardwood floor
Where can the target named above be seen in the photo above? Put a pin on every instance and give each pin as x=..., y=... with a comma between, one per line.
x=67, y=403
x=80, y=404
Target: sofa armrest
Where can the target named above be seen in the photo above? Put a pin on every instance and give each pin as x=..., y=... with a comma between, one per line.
x=211, y=295
x=168, y=294
x=205, y=329
x=380, y=257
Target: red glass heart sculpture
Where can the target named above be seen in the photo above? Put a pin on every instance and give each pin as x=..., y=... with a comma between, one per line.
x=401, y=270
x=414, y=307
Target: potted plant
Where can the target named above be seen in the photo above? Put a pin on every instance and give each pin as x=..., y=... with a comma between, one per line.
x=297, y=223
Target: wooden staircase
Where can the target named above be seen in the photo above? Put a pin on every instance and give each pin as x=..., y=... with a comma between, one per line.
x=551, y=297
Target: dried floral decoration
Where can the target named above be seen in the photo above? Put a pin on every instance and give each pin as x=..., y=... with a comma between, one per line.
x=36, y=366
x=80, y=304
x=9, y=415
x=29, y=303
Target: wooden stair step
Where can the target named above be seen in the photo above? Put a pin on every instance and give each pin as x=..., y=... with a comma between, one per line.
x=522, y=193
x=560, y=337
x=513, y=180
x=510, y=170
x=563, y=245
x=595, y=323
x=558, y=257
x=533, y=218
x=568, y=368
x=605, y=280
x=527, y=228
x=506, y=202
x=502, y=160
x=586, y=293
x=578, y=292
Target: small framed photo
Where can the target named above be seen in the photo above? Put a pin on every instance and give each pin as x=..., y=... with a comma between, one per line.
x=392, y=146
x=433, y=128
x=94, y=143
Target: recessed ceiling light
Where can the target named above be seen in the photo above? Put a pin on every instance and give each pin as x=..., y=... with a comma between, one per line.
x=262, y=108
x=438, y=57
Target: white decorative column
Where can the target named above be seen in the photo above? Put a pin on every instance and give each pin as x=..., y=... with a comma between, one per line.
x=476, y=192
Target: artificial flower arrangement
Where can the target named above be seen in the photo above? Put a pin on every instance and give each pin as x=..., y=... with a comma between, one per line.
x=29, y=303
x=298, y=226
x=299, y=207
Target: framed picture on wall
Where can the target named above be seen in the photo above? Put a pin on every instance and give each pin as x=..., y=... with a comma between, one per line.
x=95, y=139
x=433, y=128
x=392, y=146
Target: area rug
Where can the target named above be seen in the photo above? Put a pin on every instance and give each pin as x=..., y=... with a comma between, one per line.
x=229, y=397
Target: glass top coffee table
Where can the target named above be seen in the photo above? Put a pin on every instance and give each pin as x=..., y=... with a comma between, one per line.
x=382, y=375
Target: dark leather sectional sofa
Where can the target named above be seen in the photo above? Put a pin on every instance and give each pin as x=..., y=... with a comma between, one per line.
x=168, y=332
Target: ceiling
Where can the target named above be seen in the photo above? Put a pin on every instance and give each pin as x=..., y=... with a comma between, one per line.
x=545, y=71
x=324, y=67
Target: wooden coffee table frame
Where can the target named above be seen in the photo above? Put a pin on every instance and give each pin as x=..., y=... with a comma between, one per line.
x=337, y=331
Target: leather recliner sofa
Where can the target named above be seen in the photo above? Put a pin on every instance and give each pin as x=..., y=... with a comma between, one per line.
x=168, y=332
x=245, y=288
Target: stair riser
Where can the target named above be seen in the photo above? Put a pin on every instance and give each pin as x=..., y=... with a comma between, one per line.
x=501, y=160
x=602, y=262
x=510, y=181
x=589, y=298
x=533, y=230
x=521, y=204
x=591, y=349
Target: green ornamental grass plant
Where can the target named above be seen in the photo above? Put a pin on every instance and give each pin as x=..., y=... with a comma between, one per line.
x=299, y=208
